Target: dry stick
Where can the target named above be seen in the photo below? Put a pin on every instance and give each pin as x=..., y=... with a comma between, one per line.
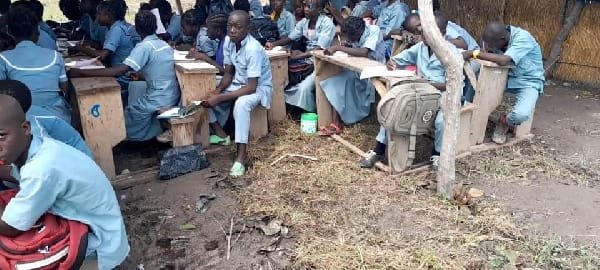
x=355, y=149
x=293, y=155
x=229, y=239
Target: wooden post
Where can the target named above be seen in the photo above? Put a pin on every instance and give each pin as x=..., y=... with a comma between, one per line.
x=556, y=49
x=451, y=101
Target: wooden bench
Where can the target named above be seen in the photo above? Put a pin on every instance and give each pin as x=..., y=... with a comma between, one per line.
x=196, y=80
x=279, y=70
x=102, y=119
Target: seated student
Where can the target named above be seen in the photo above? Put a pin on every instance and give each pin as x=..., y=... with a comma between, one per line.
x=153, y=58
x=56, y=178
x=216, y=31
x=46, y=37
x=350, y=96
x=192, y=25
x=41, y=69
x=91, y=29
x=70, y=9
x=170, y=20
x=391, y=18
x=508, y=44
x=318, y=30
x=211, y=7
x=42, y=122
x=120, y=39
x=246, y=84
x=430, y=68
x=298, y=11
x=285, y=20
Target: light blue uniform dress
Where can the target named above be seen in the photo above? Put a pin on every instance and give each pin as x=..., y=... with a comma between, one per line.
x=454, y=31
x=174, y=27
x=250, y=61
x=391, y=18
x=153, y=58
x=41, y=70
x=205, y=44
x=47, y=38
x=92, y=29
x=44, y=123
x=302, y=95
x=256, y=9
x=429, y=68
x=526, y=79
x=63, y=181
x=360, y=9
x=120, y=40
x=286, y=23
x=348, y=94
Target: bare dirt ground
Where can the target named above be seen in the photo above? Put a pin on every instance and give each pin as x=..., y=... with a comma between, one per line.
x=539, y=209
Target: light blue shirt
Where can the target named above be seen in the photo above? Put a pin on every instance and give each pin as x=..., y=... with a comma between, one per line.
x=526, y=54
x=256, y=9
x=250, y=61
x=39, y=68
x=63, y=181
x=392, y=17
x=428, y=67
x=360, y=9
x=322, y=35
x=45, y=40
x=174, y=27
x=44, y=123
x=286, y=23
x=372, y=39
x=120, y=40
x=92, y=29
x=153, y=57
x=46, y=28
x=205, y=44
x=454, y=31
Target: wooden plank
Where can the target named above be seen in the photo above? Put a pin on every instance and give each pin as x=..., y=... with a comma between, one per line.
x=102, y=119
x=470, y=74
x=464, y=134
x=378, y=165
x=324, y=70
x=191, y=67
x=183, y=130
x=351, y=62
x=259, y=125
x=279, y=70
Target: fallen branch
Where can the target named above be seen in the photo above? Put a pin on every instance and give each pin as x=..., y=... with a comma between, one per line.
x=229, y=239
x=293, y=155
x=355, y=149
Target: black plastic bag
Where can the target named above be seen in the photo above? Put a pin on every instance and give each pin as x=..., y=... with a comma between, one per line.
x=182, y=160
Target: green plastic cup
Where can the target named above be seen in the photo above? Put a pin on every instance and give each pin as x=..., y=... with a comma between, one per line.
x=308, y=123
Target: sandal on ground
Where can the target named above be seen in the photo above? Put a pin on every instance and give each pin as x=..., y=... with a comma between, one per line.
x=165, y=137
x=237, y=170
x=216, y=140
x=332, y=129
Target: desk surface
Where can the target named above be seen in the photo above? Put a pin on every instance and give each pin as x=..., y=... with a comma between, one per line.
x=351, y=62
x=196, y=67
x=89, y=86
x=277, y=54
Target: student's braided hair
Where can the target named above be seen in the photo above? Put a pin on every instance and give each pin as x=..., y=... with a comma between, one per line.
x=22, y=22
x=145, y=23
x=18, y=91
x=70, y=8
x=193, y=18
x=353, y=26
x=219, y=21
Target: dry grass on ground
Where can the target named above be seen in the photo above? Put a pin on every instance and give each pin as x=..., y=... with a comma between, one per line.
x=344, y=217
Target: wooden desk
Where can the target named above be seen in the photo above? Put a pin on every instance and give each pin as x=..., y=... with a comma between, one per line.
x=279, y=70
x=102, y=119
x=196, y=82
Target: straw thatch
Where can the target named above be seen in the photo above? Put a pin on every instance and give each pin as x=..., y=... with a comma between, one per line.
x=580, y=60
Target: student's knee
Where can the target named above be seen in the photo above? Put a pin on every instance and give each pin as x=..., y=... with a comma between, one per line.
x=243, y=106
x=516, y=118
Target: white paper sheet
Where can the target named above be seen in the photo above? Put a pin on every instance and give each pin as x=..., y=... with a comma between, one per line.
x=85, y=64
x=340, y=54
x=382, y=71
x=181, y=56
x=196, y=65
x=171, y=113
x=160, y=28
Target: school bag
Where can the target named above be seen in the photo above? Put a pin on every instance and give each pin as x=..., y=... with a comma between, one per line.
x=264, y=30
x=409, y=109
x=181, y=160
x=53, y=243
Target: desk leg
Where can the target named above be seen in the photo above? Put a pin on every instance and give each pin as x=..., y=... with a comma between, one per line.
x=488, y=96
x=195, y=87
x=324, y=70
x=103, y=126
x=279, y=69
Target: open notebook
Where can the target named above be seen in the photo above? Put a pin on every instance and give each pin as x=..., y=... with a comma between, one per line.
x=181, y=112
x=85, y=64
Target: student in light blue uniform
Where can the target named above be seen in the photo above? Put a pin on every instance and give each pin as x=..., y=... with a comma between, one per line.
x=245, y=85
x=171, y=21
x=391, y=18
x=319, y=31
x=61, y=180
x=191, y=22
x=41, y=69
x=47, y=38
x=505, y=45
x=360, y=9
x=119, y=41
x=92, y=29
x=285, y=20
x=41, y=120
x=430, y=68
x=217, y=31
x=153, y=58
x=350, y=96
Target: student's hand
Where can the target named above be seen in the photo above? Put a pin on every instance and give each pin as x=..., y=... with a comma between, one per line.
x=391, y=65
x=135, y=76
x=211, y=101
x=331, y=50
x=467, y=55
x=195, y=54
x=269, y=46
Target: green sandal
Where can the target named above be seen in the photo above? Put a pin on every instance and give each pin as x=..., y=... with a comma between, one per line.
x=214, y=139
x=237, y=170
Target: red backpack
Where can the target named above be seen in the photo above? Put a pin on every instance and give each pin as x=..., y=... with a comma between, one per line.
x=53, y=243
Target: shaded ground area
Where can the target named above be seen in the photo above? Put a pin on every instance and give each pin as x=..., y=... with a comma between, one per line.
x=539, y=208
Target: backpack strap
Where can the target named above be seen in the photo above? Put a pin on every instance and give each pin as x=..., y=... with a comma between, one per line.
x=412, y=141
